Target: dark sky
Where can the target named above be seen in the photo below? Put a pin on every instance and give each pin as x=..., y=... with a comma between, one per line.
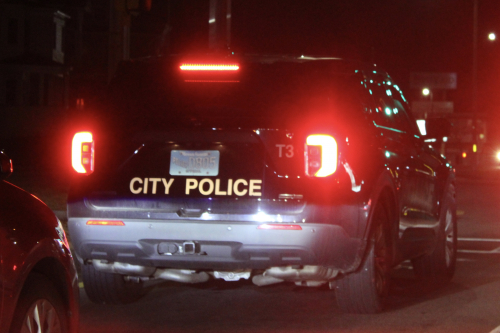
x=402, y=36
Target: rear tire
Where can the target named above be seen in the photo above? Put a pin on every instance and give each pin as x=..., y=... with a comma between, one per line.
x=439, y=266
x=40, y=308
x=110, y=288
x=365, y=291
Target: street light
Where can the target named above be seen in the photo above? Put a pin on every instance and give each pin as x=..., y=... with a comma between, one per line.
x=492, y=36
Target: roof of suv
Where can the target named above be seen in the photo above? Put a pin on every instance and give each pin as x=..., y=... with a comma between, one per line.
x=155, y=90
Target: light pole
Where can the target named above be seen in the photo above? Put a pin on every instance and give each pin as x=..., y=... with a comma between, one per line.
x=427, y=92
x=491, y=37
x=474, y=83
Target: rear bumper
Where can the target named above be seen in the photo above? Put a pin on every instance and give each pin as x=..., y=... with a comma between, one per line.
x=215, y=245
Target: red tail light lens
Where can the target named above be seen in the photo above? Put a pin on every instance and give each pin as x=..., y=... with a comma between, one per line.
x=321, y=155
x=82, y=153
x=210, y=67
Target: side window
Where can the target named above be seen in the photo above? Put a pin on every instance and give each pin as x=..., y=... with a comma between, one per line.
x=402, y=104
x=357, y=93
x=385, y=109
x=391, y=106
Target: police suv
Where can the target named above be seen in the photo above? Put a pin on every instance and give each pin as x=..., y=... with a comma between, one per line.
x=272, y=169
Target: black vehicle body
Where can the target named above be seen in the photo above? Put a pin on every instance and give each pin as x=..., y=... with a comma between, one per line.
x=258, y=121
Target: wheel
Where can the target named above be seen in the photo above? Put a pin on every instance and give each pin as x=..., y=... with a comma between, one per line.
x=365, y=291
x=439, y=266
x=40, y=308
x=110, y=288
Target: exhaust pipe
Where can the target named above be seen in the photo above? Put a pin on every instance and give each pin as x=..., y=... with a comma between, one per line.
x=178, y=275
x=122, y=268
x=181, y=275
x=299, y=274
x=308, y=276
x=262, y=281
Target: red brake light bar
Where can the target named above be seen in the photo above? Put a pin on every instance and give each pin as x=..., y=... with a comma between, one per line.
x=209, y=67
x=279, y=226
x=321, y=155
x=82, y=153
x=105, y=222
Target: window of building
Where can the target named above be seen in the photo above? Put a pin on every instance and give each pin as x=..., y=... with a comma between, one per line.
x=13, y=32
x=34, y=92
x=11, y=92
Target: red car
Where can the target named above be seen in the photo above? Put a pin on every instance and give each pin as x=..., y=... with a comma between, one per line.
x=38, y=280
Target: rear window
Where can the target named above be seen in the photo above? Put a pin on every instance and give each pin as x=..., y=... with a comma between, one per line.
x=157, y=94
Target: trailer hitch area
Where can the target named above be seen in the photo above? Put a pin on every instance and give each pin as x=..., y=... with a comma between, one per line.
x=178, y=248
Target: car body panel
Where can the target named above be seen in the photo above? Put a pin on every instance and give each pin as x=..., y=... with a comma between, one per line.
x=219, y=245
x=30, y=236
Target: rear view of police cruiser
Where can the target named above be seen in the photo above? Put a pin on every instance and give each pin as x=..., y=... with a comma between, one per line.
x=272, y=169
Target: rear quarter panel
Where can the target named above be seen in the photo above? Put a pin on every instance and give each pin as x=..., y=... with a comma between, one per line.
x=28, y=236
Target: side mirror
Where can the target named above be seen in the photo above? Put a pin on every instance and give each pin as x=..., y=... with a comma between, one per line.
x=437, y=128
x=5, y=165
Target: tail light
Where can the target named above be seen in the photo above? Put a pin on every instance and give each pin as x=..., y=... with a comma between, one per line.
x=209, y=67
x=321, y=155
x=82, y=153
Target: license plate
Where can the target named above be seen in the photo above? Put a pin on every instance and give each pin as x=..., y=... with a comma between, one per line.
x=194, y=162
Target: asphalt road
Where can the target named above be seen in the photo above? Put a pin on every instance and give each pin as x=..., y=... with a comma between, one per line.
x=471, y=303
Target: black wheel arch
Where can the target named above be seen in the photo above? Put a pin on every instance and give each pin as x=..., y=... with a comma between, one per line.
x=51, y=269
x=384, y=194
x=55, y=272
x=450, y=181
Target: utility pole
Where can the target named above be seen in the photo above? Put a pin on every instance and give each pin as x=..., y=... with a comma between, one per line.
x=219, y=24
x=474, y=84
x=119, y=29
x=119, y=35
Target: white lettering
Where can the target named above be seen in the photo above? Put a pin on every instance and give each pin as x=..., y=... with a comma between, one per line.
x=280, y=150
x=167, y=184
x=206, y=186
x=210, y=186
x=229, y=187
x=217, y=188
x=132, y=188
x=289, y=153
x=191, y=184
x=155, y=182
x=235, y=187
x=255, y=185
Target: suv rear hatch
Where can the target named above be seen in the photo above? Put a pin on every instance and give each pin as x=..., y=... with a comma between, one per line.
x=196, y=145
